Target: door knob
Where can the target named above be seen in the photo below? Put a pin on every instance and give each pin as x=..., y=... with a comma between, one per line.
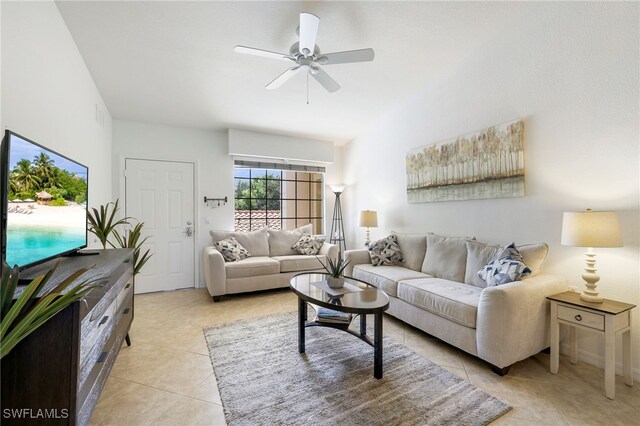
x=189, y=231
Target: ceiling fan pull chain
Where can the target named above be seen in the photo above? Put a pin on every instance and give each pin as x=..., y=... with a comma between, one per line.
x=307, y=87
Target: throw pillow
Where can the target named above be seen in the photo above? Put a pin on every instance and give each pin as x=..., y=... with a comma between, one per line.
x=231, y=250
x=385, y=251
x=255, y=241
x=308, y=244
x=478, y=255
x=446, y=257
x=505, y=268
x=534, y=256
x=413, y=248
x=282, y=240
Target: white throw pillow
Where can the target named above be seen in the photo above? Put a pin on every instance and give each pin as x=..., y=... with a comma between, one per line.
x=413, y=248
x=446, y=257
x=281, y=241
x=478, y=256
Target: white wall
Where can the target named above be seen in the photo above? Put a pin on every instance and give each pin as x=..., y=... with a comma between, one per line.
x=255, y=144
x=570, y=71
x=206, y=149
x=214, y=169
x=48, y=94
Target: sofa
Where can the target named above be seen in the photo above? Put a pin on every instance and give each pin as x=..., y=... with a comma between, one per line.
x=272, y=261
x=436, y=288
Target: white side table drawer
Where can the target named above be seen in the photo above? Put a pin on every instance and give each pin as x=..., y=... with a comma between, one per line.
x=578, y=316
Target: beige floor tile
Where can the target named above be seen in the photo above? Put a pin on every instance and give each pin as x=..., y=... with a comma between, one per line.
x=127, y=403
x=433, y=349
x=162, y=368
x=207, y=391
x=191, y=412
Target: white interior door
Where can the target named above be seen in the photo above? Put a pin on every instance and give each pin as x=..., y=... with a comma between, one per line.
x=161, y=194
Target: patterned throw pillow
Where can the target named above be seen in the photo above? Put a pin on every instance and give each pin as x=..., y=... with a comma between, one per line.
x=308, y=244
x=385, y=251
x=231, y=250
x=505, y=268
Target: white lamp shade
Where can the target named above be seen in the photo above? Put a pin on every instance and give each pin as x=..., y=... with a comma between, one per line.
x=368, y=219
x=337, y=188
x=591, y=229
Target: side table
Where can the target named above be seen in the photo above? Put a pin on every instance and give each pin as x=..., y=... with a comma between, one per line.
x=608, y=318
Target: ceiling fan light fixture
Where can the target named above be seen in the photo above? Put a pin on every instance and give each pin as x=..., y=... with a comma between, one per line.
x=322, y=60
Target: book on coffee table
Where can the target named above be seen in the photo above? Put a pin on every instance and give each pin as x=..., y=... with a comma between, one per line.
x=331, y=316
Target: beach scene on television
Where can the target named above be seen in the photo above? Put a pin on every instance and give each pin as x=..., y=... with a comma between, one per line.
x=46, y=204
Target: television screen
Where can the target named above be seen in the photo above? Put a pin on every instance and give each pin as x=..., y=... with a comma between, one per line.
x=45, y=198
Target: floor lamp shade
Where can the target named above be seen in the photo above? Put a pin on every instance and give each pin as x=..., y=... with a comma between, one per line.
x=591, y=229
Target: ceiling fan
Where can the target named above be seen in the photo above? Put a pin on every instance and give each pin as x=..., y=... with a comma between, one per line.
x=306, y=56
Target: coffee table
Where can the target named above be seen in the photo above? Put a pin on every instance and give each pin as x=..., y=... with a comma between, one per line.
x=363, y=299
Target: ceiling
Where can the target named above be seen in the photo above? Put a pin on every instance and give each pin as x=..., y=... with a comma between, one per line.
x=173, y=63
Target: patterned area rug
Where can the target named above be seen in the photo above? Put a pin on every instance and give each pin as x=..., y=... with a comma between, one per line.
x=264, y=380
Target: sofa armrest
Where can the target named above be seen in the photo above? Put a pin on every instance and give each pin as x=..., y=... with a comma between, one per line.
x=215, y=274
x=355, y=257
x=513, y=319
x=329, y=250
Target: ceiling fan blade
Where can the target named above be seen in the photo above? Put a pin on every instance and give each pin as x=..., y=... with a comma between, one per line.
x=282, y=78
x=324, y=79
x=263, y=53
x=361, y=55
x=308, y=32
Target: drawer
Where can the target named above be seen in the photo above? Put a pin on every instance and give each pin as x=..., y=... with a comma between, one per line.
x=94, y=329
x=578, y=316
x=124, y=294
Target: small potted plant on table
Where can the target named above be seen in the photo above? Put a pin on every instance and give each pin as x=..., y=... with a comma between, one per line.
x=335, y=270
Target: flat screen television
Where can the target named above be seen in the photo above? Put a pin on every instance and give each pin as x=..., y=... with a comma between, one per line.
x=44, y=198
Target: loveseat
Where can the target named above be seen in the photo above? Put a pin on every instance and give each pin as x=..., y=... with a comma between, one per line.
x=436, y=288
x=272, y=261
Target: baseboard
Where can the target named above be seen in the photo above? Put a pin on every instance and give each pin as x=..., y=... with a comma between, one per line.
x=598, y=361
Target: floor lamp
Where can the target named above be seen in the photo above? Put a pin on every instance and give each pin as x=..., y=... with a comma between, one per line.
x=337, y=225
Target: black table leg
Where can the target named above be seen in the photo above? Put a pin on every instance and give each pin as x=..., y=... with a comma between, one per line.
x=302, y=314
x=363, y=325
x=377, y=345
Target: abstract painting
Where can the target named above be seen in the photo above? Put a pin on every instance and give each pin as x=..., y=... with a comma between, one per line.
x=485, y=164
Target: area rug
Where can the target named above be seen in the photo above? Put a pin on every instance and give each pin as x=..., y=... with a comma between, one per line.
x=263, y=380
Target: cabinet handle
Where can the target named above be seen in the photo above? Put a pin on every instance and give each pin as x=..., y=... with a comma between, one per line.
x=102, y=357
x=125, y=312
x=104, y=319
x=578, y=317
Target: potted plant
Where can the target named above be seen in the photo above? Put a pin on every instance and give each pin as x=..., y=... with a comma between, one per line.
x=29, y=311
x=102, y=222
x=335, y=270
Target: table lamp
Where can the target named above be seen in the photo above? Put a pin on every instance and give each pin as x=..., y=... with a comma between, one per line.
x=591, y=229
x=368, y=219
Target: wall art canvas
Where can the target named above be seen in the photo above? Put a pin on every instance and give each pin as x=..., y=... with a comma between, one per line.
x=485, y=164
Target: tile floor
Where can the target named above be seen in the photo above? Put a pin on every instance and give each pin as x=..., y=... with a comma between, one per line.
x=165, y=377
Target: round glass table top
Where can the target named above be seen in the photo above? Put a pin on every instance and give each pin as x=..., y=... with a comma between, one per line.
x=356, y=296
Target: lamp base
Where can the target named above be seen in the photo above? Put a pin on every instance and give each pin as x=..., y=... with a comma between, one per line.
x=591, y=298
x=591, y=278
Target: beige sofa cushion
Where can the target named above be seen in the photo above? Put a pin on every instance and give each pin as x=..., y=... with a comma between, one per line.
x=255, y=241
x=478, y=255
x=534, y=255
x=300, y=262
x=281, y=240
x=455, y=301
x=446, y=257
x=252, y=266
x=386, y=278
x=413, y=249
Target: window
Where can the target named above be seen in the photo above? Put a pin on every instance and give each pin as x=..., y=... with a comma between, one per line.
x=278, y=199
